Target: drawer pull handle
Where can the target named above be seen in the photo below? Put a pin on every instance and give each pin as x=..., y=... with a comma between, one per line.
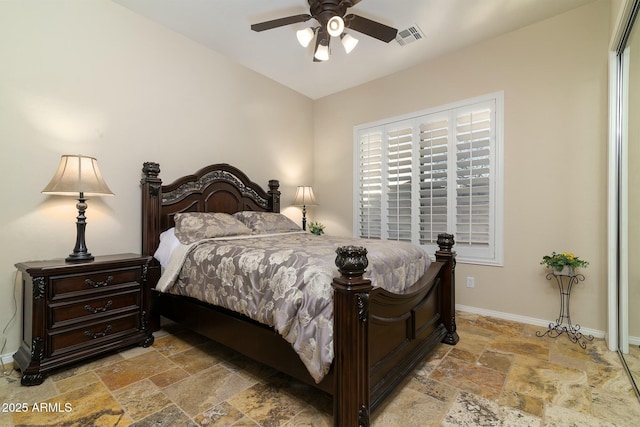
x=93, y=284
x=94, y=335
x=102, y=309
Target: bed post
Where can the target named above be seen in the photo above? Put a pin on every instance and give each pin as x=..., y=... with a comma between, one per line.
x=351, y=398
x=151, y=204
x=150, y=207
x=274, y=195
x=448, y=256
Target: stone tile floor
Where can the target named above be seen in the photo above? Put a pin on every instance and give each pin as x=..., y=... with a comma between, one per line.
x=499, y=374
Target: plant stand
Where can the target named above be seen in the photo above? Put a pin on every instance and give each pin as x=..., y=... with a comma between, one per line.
x=565, y=283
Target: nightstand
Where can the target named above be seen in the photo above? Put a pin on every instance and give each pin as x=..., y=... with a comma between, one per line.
x=73, y=311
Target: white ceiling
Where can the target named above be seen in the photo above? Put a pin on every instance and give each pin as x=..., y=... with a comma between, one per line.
x=448, y=25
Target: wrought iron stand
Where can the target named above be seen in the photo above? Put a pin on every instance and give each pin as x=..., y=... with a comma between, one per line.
x=565, y=283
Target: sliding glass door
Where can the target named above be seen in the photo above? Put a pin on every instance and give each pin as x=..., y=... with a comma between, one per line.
x=626, y=138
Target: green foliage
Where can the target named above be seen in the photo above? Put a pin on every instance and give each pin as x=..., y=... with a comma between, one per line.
x=316, y=227
x=557, y=261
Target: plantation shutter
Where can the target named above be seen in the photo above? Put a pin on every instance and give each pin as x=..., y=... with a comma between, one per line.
x=434, y=147
x=473, y=177
x=399, y=181
x=370, y=184
x=438, y=171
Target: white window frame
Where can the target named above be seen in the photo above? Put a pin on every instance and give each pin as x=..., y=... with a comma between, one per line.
x=493, y=255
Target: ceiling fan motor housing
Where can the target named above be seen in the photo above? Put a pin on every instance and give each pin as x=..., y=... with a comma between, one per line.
x=324, y=10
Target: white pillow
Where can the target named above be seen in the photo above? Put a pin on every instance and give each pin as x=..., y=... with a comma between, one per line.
x=168, y=242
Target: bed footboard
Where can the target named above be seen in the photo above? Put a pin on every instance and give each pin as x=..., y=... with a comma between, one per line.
x=380, y=337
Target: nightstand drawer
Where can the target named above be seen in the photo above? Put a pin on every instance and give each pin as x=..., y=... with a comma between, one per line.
x=72, y=311
x=78, y=284
x=66, y=313
x=94, y=334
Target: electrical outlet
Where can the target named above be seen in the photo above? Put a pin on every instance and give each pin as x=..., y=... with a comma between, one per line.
x=471, y=282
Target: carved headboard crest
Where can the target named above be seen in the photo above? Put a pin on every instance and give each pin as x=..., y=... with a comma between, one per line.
x=205, y=180
x=215, y=188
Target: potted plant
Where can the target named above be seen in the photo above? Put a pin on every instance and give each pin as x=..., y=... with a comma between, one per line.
x=316, y=227
x=563, y=263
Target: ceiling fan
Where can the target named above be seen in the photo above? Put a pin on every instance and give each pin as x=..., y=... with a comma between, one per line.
x=333, y=19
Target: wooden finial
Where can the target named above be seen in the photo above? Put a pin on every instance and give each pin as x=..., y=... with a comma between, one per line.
x=151, y=169
x=352, y=261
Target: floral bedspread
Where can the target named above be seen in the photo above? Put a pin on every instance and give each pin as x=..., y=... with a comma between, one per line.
x=284, y=281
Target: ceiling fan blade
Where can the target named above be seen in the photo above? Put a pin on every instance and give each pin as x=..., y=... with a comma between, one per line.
x=371, y=28
x=280, y=22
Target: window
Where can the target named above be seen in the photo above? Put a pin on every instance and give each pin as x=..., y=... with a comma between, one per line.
x=432, y=172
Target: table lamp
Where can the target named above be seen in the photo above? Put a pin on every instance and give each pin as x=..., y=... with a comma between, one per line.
x=304, y=197
x=78, y=176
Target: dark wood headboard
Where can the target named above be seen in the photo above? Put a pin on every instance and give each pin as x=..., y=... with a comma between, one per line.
x=216, y=188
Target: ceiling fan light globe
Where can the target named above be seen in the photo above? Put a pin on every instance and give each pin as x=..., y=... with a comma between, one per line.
x=348, y=42
x=305, y=36
x=322, y=53
x=335, y=26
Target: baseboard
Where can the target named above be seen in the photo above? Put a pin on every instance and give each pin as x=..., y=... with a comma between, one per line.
x=7, y=359
x=523, y=319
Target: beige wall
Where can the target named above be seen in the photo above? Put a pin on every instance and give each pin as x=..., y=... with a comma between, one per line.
x=616, y=7
x=554, y=78
x=91, y=77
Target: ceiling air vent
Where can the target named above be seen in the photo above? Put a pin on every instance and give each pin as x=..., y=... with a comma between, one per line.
x=409, y=35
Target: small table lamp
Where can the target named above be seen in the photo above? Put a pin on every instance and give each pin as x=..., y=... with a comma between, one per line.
x=78, y=176
x=304, y=197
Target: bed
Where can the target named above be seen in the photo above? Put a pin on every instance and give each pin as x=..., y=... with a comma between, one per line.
x=378, y=336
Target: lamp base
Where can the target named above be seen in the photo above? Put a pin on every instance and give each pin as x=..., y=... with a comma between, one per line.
x=80, y=252
x=304, y=218
x=79, y=257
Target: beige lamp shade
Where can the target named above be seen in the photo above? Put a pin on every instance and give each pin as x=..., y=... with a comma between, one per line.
x=304, y=196
x=78, y=174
